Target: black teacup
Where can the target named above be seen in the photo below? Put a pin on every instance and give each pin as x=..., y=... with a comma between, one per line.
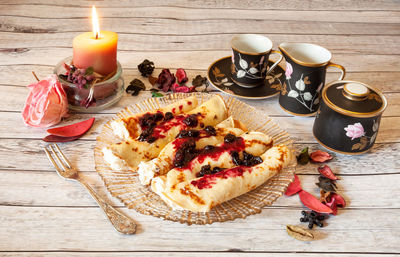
x=305, y=77
x=250, y=54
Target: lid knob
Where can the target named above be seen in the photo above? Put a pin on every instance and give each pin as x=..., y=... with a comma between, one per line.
x=355, y=91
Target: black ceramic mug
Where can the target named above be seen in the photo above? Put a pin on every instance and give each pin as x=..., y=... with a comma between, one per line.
x=250, y=54
x=305, y=77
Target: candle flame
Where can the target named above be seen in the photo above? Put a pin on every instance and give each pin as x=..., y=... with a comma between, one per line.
x=95, y=23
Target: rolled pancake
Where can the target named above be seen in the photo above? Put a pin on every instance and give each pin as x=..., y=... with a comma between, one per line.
x=164, y=161
x=129, y=128
x=255, y=143
x=132, y=151
x=201, y=194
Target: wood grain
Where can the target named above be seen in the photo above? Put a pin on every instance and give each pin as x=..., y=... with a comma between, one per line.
x=42, y=215
x=47, y=189
x=356, y=44
x=262, y=232
x=193, y=60
x=340, y=5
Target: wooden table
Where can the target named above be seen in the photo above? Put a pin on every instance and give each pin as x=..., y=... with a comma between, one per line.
x=41, y=214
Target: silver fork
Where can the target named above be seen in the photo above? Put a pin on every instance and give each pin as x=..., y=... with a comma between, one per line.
x=120, y=221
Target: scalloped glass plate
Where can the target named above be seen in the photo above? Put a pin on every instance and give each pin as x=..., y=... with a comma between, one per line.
x=126, y=187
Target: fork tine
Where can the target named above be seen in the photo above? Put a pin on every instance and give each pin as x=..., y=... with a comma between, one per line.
x=52, y=160
x=58, y=158
x=63, y=156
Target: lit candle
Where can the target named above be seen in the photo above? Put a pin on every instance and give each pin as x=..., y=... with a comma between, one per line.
x=97, y=49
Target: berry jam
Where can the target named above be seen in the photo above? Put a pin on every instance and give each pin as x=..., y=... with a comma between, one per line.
x=210, y=130
x=248, y=159
x=208, y=180
x=191, y=120
x=206, y=170
x=185, y=153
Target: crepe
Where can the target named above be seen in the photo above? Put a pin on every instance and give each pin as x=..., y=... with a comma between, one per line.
x=255, y=143
x=147, y=170
x=132, y=151
x=129, y=128
x=201, y=194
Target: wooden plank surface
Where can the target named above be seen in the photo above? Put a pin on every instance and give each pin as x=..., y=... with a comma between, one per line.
x=41, y=214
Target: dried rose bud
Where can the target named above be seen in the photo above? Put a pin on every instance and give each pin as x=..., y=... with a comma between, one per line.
x=165, y=80
x=181, y=76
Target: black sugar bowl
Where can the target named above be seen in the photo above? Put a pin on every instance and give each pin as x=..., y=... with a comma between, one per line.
x=349, y=115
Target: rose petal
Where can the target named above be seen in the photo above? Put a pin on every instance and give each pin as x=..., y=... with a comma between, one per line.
x=339, y=200
x=313, y=203
x=334, y=200
x=327, y=172
x=332, y=204
x=55, y=139
x=73, y=130
x=181, y=76
x=294, y=187
x=320, y=156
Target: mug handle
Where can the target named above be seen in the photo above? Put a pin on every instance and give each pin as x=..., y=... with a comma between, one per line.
x=340, y=67
x=275, y=63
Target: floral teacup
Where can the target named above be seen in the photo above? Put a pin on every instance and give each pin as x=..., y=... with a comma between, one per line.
x=250, y=55
x=305, y=77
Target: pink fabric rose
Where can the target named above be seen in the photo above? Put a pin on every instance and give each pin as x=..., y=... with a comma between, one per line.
x=289, y=70
x=355, y=131
x=46, y=103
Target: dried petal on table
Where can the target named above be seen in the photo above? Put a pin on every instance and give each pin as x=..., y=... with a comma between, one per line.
x=58, y=139
x=299, y=233
x=334, y=200
x=181, y=76
x=152, y=80
x=327, y=172
x=320, y=156
x=73, y=130
x=303, y=158
x=294, y=187
x=313, y=203
x=326, y=184
x=165, y=80
x=135, y=86
x=146, y=68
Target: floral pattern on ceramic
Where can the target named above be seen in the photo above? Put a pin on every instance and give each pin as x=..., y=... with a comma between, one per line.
x=356, y=130
x=251, y=70
x=220, y=76
x=299, y=92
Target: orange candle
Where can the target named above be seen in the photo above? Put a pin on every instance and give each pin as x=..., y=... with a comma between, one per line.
x=97, y=49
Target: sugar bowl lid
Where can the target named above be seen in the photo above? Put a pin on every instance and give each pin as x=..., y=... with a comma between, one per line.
x=354, y=99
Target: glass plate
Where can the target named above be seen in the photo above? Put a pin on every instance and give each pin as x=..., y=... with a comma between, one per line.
x=125, y=184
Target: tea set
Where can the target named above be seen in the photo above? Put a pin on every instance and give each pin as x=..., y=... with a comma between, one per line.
x=347, y=113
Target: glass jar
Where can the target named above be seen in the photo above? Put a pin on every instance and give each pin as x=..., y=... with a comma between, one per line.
x=105, y=93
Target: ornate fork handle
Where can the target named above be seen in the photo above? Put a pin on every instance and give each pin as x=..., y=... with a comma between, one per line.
x=120, y=221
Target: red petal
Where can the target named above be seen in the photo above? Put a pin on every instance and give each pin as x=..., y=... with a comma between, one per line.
x=313, y=203
x=327, y=172
x=55, y=139
x=333, y=205
x=339, y=200
x=73, y=130
x=294, y=187
x=320, y=156
x=181, y=76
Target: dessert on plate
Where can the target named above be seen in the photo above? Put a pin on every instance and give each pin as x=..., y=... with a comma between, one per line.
x=194, y=156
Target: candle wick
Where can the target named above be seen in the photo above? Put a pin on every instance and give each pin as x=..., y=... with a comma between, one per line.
x=97, y=35
x=36, y=77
